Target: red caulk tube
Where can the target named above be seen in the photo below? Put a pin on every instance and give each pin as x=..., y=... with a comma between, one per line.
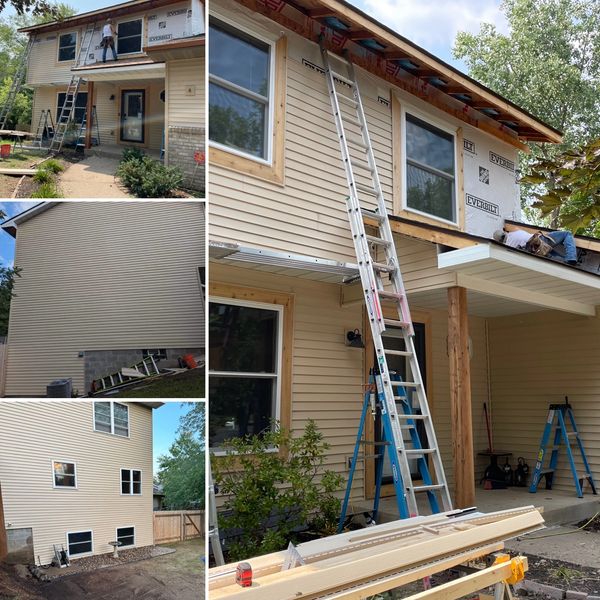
x=243, y=574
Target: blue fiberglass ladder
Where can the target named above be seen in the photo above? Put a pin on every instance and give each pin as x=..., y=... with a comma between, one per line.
x=360, y=167
x=562, y=414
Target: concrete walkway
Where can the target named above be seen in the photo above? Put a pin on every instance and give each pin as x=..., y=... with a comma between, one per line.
x=93, y=177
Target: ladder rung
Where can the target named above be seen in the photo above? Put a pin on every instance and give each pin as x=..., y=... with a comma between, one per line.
x=396, y=323
x=405, y=383
x=572, y=433
x=419, y=451
x=342, y=78
x=383, y=268
x=427, y=488
x=397, y=352
x=390, y=295
x=361, y=165
x=353, y=121
x=366, y=189
x=415, y=417
x=371, y=214
x=347, y=100
x=377, y=240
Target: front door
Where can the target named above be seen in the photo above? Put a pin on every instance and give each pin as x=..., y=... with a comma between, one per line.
x=133, y=115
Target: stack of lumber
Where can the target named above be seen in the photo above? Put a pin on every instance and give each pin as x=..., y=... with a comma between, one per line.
x=369, y=561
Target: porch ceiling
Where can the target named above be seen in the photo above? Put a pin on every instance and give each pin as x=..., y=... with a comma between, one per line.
x=123, y=73
x=517, y=277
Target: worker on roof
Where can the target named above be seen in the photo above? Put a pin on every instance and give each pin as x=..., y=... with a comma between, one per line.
x=541, y=243
x=108, y=39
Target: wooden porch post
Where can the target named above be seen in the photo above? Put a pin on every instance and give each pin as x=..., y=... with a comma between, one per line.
x=460, y=398
x=3, y=540
x=88, y=115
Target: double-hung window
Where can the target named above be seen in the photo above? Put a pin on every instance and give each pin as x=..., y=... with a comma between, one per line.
x=129, y=37
x=240, y=92
x=64, y=474
x=131, y=482
x=430, y=170
x=245, y=368
x=67, y=46
x=111, y=417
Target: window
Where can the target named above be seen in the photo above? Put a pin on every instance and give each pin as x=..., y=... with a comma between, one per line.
x=67, y=46
x=158, y=353
x=111, y=417
x=129, y=37
x=64, y=474
x=239, y=91
x=126, y=535
x=245, y=372
x=131, y=482
x=202, y=275
x=80, y=105
x=79, y=542
x=430, y=170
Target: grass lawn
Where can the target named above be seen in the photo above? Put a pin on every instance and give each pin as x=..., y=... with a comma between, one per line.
x=189, y=384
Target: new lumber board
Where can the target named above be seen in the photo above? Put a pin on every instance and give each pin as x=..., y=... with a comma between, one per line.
x=315, y=579
x=18, y=172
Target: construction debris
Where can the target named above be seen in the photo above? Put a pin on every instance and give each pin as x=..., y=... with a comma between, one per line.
x=18, y=172
x=363, y=563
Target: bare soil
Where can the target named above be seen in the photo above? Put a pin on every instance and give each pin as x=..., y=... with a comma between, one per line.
x=564, y=575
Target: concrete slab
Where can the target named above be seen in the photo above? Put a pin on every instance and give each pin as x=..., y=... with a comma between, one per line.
x=93, y=177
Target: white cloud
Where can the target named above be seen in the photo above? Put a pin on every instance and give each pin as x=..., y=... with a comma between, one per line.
x=434, y=25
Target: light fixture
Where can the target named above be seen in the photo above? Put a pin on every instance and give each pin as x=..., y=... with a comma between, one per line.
x=355, y=339
x=112, y=97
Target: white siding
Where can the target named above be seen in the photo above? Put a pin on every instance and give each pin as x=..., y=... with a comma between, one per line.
x=103, y=276
x=32, y=435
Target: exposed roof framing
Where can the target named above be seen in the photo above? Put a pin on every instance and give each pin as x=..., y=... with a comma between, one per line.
x=400, y=61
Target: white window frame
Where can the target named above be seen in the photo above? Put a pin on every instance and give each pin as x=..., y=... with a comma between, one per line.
x=76, y=556
x=117, y=535
x=270, y=113
x=143, y=34
x=64, y=487
x=279, y=308
x=131, y=493
x=415, y=112
x=69, y=60
x=112, y=419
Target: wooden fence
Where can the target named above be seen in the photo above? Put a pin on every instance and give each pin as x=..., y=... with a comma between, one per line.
x=177, y=525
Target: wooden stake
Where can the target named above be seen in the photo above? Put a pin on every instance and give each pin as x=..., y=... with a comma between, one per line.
x=460, y=398
x=3, y=540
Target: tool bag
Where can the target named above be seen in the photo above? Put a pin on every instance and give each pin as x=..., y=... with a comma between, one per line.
x=539, y=245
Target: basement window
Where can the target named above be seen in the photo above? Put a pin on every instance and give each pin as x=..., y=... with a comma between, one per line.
x=129, y=37
x=67, y=46
x=131, y=482
x=80, y=542
x=245, y=358
x=126, y=535
x=158, y=353
x=240, y=90
x=64, y=474
x=111, y=417
x=429, y=170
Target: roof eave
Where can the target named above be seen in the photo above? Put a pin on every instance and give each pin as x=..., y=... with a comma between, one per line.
x=12, y=225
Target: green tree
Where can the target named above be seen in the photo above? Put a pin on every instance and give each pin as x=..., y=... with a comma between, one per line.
x=7, y=278
x=549, y=63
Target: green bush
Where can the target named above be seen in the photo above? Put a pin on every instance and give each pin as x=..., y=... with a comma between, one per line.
x=130, y=153
x=272, y=495
x=147, y=178
x=53, y=166
x=42, y=176
x=47, y=190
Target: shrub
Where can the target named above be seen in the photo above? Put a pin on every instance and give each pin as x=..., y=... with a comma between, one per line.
x=42, y=176
x=130, y=153
x=53, y=166
x=273, y=495
x=147, y=178
x=47, y=190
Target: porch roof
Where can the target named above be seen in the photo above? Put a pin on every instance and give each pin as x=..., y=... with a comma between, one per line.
x=498, y=271
x=135, y=71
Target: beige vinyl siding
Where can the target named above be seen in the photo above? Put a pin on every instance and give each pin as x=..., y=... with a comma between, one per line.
x=33, y=435
x=538, y=359
x=103, y=276
x=107, y=111
x=326, y=374
x=184, y=110
x=46, y=97
x=43, y=66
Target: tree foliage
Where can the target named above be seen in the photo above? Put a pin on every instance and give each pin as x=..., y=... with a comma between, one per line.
x=548, y=63
x=7, y=278
x=271, y=495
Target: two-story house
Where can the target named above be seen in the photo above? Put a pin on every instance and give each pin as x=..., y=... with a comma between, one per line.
x=75, y=475
x=101, y=285
x=494, y=325
x=151, y=97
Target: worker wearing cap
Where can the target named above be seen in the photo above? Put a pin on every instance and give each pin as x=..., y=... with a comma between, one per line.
x=108, y=39
x=518, y=238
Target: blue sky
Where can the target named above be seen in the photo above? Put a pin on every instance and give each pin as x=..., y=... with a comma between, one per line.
x=165, y=423
x=7, y=243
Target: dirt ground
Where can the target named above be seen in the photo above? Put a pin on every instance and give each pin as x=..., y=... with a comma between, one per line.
x=177, y=576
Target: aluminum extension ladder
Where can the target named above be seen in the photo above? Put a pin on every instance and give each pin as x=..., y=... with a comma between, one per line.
x=17, y=83
x=146, y=367
x=83, y=129
x=357, y=154
x=558, y=417
x=67, y=111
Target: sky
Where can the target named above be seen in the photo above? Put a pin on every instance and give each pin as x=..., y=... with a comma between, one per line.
x=7, y=242
x=165, y=422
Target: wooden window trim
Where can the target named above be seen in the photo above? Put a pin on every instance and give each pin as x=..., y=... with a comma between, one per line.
x=398, y=169
x=273, y=172
x=225, y=290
